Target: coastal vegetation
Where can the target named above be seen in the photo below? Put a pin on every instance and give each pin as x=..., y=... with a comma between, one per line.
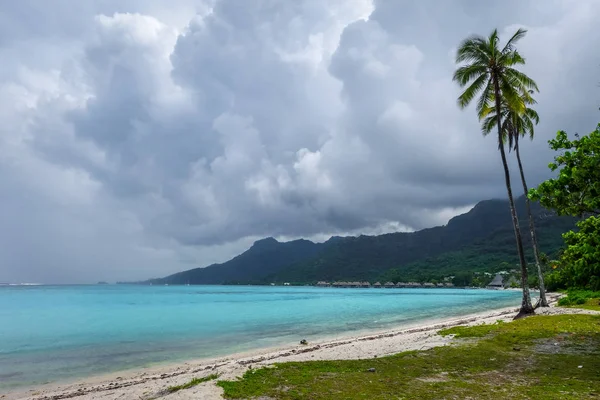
x=489, y=71
x=575, y=191
x=581, y=297
x=590, y=304
x=541, y=357
x=192, y=383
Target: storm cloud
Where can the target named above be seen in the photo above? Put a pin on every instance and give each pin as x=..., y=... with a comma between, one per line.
x=139, y=138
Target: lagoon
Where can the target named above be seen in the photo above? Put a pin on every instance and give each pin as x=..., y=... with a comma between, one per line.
x=58, y=333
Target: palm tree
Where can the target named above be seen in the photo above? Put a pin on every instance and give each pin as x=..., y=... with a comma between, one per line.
x=514, y=126
x=490, y=71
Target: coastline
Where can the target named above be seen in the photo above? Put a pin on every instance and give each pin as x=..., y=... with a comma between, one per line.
x=151, y=383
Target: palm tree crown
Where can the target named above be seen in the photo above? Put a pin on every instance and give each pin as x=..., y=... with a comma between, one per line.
x=513, y=124
x=487, y=66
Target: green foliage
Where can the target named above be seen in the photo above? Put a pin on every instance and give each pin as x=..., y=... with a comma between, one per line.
x=476, y=331
x=581, y=258
x=192, y=383
x=514, y=124
x=487, y=70
x=564, y=302
x=590, y=304
x=554, y=281
x=463, y=278
x=532, y=358
x=496, y=252
x=576, y=189
x=578, y=297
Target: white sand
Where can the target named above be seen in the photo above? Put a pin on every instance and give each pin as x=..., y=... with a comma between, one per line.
x=152, y=383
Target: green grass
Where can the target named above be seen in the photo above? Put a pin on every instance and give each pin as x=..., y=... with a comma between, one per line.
x=192, y=383
x=580, y=298
x=532, y=358
x=590, y=304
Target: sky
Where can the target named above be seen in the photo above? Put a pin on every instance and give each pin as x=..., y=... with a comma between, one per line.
x=139, y=138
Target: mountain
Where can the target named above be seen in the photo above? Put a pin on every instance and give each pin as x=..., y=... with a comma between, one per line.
x=265, y=257
x=480, y=240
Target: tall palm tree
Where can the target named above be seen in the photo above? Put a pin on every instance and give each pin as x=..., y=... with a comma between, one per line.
x=489, y=70
x=514, y=126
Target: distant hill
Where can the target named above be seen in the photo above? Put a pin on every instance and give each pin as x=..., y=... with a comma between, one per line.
x=480, y=240
x=264, y=258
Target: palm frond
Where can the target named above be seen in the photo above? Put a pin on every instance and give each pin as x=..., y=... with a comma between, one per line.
x=486, y=101
x=525, y=82
x=527, y=97
x=471, y=49
x=510, y=95
x=492, y=43
x=471, y=91
x=488, y=124
x=518, y=35
x=532, y=115
x=467, y=73
x=511, y=58
x=527, y=128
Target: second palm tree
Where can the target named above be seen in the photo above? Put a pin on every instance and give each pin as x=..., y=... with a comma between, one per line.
x=514, y=126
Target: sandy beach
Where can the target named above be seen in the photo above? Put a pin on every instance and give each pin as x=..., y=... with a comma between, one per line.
x=152, y=383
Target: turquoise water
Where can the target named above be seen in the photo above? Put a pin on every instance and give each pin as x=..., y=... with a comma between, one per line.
x=55, y=333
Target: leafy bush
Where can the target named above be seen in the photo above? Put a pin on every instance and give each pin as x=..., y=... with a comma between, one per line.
x=582, y=255
x=578, y=297
x=564, y=301
x=578, y=300
x=576, y=191
x=554, y=281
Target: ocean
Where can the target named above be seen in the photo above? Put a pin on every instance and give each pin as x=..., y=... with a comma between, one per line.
x=60, y=333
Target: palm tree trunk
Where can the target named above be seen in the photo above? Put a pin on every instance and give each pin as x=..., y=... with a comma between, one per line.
x=526, y=307
x=543, y=301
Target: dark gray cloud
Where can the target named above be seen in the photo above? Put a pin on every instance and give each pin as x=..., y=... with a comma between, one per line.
x=140, y=138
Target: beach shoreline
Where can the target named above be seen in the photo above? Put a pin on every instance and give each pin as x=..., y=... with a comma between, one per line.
x=152, y=382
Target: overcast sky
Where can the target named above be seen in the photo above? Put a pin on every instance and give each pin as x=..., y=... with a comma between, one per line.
x=141, y=137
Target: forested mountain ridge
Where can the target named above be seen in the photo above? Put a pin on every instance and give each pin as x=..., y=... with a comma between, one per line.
x=479, y=240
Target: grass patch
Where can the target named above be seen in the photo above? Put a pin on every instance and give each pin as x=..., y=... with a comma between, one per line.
x=578, y=297
x=192, y=383
x=533, y=358
x=590, y=304
x=476, y=331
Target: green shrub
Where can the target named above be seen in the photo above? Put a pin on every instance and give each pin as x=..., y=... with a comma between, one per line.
x=578, y=297
x=554, y=281
x=578, y=300
x=564, y=301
